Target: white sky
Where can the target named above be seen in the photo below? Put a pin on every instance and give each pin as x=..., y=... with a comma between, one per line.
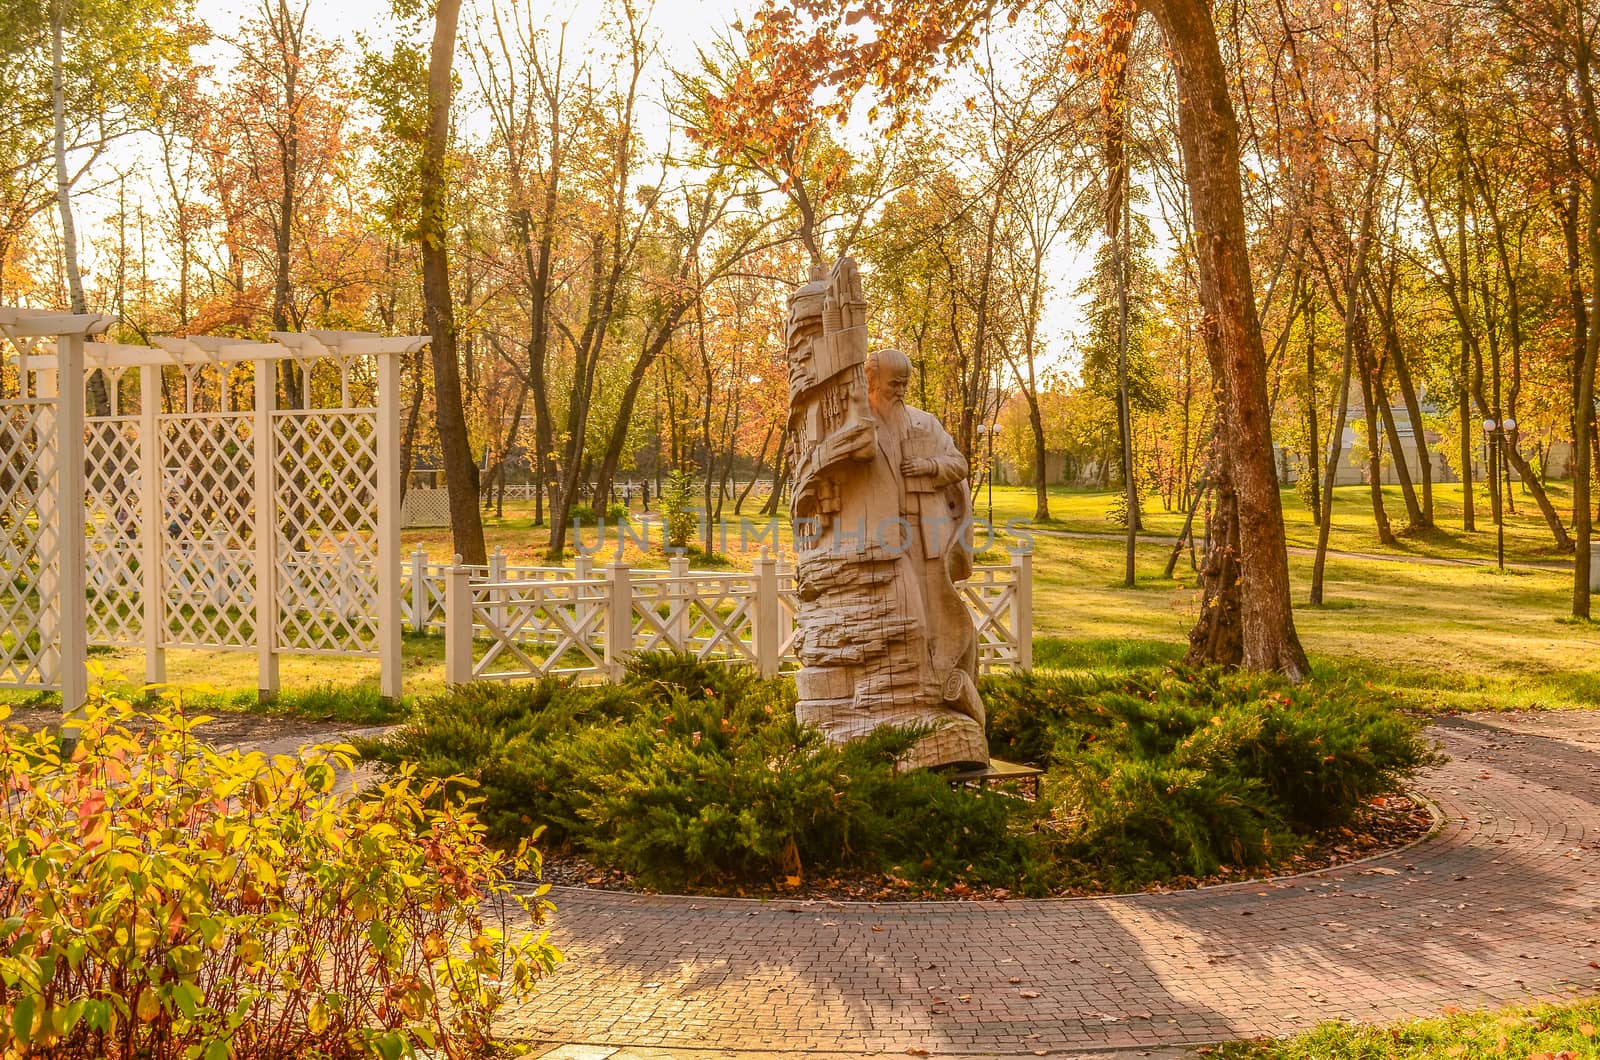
x=679, y=24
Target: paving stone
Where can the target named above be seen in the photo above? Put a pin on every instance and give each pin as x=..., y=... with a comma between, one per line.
x=1503, y=905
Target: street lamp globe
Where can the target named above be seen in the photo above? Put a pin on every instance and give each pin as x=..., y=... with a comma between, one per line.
x=1488, y=426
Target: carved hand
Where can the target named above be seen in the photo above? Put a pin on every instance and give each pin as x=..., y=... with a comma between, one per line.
x=918, y=466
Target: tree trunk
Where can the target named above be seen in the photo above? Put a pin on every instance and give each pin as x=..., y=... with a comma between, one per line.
x=99, y=401
x=1583, y=420
x=1469, y=521
x=1124, y=407
x=1380, y=518
x=1041, y=487
x=1331, y=474
x=1218, y=637
x=780, y=469
x=1245, y=478
x=1313, y=445
x=761, y=463
x=460, y=472
x=1408, y=394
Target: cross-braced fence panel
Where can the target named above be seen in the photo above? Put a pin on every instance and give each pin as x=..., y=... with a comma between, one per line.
x=209, y=518
x=326, y=531
x=710, y=616
x=113, y=481
x=539, y=628
x=990, y=593
x=30, y=544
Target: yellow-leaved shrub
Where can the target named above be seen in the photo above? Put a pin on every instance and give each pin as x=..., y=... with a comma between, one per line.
x=161, y=898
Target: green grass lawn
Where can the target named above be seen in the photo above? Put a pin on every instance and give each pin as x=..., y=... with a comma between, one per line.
x=1528, y=539
x=1546, y=1031
x=1456, y=636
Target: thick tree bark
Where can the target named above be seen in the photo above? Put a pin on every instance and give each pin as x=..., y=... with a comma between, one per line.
x=1245, y=478
x=1218, y=637
x=1583, y=426
x=460, y=472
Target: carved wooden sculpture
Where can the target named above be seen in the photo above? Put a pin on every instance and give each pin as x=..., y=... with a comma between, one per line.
x=881, y=511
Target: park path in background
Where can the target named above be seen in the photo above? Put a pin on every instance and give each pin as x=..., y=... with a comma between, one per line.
x=1501, y=905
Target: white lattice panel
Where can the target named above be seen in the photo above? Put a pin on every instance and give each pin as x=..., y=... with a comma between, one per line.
x=326, y=541
x=425, y=507
x=208, y=522
x=30, y=547
x=112, y=484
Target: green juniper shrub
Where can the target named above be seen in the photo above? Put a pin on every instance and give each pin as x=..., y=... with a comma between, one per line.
x=1322, y=751
x=581, y=515
x=515, y=742
x=1139, y=821
x=688, y=774
x=1030, y=713
x=1157, y=775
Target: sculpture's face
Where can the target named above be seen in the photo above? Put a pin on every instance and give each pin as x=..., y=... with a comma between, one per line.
x=888, y=384
x=895, y=383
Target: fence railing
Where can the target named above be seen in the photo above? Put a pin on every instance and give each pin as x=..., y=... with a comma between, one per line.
x=504, y=622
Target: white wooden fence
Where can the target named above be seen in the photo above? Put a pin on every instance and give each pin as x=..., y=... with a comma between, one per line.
x=503, y=623
x=201, y=511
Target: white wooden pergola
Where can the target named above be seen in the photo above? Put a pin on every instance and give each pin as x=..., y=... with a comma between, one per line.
x=213, y=514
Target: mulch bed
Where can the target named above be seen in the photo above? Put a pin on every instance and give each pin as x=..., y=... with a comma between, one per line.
x=1388, y=823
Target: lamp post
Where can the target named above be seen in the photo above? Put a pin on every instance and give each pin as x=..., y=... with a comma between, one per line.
x=1493, y=438
x=987, y=431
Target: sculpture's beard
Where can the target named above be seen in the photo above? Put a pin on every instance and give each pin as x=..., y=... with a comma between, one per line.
x=886, y=407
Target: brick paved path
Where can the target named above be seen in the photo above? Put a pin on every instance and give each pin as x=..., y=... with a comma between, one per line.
x=1502, y=905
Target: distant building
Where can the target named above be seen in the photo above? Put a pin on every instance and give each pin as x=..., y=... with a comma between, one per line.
x=1557, y=461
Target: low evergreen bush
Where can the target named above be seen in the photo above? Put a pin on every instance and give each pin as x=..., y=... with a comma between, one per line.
x=1168, y=774
x=696, y=775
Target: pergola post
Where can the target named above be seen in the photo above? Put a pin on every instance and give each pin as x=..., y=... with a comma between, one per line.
x=389, y=562
x=266, y=591
x=151, y=472
x=71, y=604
